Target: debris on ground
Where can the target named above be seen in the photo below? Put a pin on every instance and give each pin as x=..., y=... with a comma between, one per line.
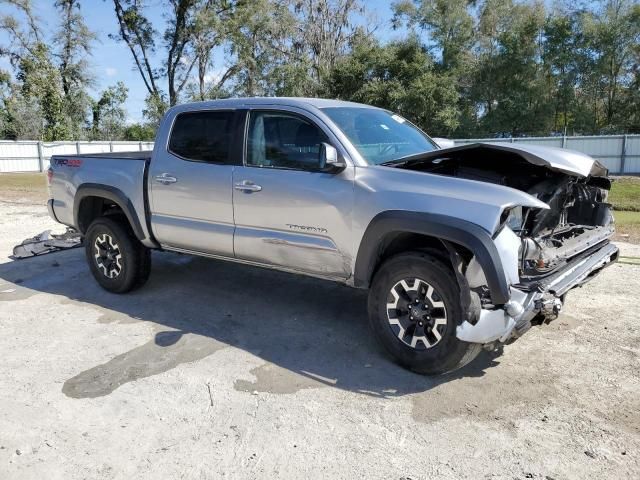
x=47, y=242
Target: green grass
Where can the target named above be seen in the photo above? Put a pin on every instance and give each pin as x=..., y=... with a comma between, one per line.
x=628, y=226
x=625, y=194
x=31, y=187
x=627, y=218
x=22, y=181
x=625, y=197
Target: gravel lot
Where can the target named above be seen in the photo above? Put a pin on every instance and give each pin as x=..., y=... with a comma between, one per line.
x=217, y=370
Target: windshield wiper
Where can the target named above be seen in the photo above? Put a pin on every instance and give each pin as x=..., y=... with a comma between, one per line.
x=394, y=163
x=399, y=162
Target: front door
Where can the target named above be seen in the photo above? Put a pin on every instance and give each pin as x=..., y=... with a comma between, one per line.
x=287, y=213
x=191, y=183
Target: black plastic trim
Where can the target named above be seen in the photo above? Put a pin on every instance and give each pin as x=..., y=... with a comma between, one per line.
x=145, y=198
x=237, y=150
x=111, y=193
x=52, y=212
x=462, y=232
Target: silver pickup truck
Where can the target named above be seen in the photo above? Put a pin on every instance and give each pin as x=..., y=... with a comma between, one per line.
x=460, y=248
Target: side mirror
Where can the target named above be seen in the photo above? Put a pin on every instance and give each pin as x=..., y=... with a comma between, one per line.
x=330, y=161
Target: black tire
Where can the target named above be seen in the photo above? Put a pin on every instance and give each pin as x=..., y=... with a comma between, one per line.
x=129, y=264
x=446, y=353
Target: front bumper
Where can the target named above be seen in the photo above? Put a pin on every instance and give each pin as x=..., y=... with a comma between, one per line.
x=531, y=299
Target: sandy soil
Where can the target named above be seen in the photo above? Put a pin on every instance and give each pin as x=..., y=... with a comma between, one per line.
x=214, y=370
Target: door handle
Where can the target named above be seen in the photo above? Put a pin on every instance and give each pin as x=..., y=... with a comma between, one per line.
x=166, y=179
x=247, y=186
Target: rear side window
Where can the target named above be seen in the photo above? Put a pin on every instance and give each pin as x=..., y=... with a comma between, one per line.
x=202, y=136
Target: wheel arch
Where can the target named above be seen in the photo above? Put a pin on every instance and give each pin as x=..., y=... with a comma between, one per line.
x=388, y=226
x=92, y=199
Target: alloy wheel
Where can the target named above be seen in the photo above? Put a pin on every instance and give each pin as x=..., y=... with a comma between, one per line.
x=108, y=256
x=416, y=313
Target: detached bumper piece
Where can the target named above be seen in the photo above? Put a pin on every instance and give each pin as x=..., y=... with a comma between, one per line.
x=46, y=242
x=543, y=297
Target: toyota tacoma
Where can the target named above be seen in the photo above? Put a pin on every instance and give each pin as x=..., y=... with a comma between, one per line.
x=460, y=248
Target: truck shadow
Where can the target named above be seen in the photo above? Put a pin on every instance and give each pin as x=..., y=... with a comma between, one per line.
x=311, y=333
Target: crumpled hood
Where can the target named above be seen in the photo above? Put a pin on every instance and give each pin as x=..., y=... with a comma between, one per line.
x=482, y=203
x=559, y=159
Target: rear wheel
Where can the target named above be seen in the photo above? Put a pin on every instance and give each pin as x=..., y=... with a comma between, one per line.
x=414, y=309
x=117, y=259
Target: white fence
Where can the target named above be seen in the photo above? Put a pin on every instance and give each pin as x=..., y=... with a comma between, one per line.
x=31, y=156
x=619, y=153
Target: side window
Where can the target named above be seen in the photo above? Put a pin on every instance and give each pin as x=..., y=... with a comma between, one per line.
x=202, y=136
x=282, y=140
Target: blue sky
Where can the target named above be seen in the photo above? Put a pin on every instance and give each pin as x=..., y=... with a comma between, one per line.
x=111, y=61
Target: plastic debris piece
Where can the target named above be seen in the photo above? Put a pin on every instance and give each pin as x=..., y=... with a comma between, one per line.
x=46, y=242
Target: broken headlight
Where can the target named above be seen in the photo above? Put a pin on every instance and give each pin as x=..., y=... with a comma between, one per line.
x=513, y=218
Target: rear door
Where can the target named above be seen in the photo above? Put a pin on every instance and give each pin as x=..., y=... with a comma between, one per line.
x=190, y=181
x=287, y=212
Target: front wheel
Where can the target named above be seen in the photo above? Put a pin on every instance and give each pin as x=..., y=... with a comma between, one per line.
x=117, y=259
x=414, y=309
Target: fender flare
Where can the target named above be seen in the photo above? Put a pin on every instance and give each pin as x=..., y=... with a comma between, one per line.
x=110, y=193
x=443, y=227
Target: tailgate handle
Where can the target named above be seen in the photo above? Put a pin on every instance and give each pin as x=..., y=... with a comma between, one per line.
x=166, y=179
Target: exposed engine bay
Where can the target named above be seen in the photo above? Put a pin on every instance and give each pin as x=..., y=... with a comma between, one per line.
x=557, y=248
x=579, y=216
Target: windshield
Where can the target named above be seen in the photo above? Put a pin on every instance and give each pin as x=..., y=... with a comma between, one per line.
x=378, y=135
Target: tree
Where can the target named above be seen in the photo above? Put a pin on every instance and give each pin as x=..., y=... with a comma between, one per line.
x=402, y=77
x=562, y=58
x=155, y=108
x=53, y=75
x=178, y=38
x=20, y=118
x=612, y=34
x=508, y=83
x=139, y=132
x=259, y=42
x=211, y=28
x=461, y=67
x=40, y=82
x=631, y=97
x=74, y=41
x=448, y=23
x=136, y=31
x=326, y=31
x=188, y=40
x=23, y=40
x=109, y=114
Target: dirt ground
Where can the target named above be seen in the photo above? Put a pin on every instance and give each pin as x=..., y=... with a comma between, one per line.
x=215, y=370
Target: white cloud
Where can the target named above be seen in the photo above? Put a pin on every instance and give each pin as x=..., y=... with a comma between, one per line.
x=111, y=72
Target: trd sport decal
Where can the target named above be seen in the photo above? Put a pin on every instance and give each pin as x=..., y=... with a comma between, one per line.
x=305, y=228
x=69, y=162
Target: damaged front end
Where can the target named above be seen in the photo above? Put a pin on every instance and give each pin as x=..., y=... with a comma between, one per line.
x=545, y=252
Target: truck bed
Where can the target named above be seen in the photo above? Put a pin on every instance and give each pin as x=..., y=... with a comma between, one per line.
x=121, y=173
